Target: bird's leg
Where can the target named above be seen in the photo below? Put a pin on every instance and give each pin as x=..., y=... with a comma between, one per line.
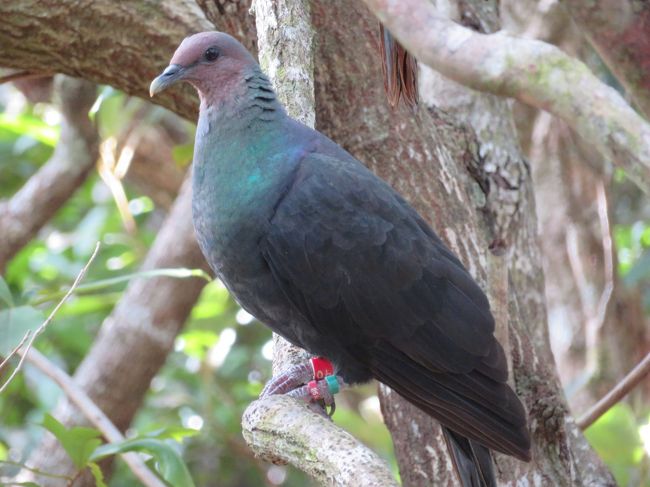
x=313, y=382
x=290, y=379
x=320, y=391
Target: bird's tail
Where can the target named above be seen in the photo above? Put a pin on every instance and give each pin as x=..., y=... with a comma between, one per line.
x=400, y=71
x=472, y=460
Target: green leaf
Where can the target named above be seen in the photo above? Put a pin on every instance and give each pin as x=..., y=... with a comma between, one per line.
x=615, y=437
x=168, y=462
x=15, y=323
x=171, y=433
x=78, y=442
x=5, y=293
x=196, y=343
x=177, y=273
x=97, y=473
x=182, y=154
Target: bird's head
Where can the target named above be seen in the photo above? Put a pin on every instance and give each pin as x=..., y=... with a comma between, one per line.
x=210, y=61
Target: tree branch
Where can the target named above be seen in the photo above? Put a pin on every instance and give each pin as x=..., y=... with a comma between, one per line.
x=280, y=428
x=618, y=30
x=636, y=375
x=93, y=414
x=46, y=191
x=531, y=71
x=126, y=56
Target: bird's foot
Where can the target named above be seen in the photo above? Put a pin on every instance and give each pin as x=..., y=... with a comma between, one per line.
x=313, y=382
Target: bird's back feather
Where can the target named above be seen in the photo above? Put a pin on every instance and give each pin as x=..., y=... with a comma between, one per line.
x=370, y=275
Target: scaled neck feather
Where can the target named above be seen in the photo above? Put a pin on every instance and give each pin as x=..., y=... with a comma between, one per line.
x=248, y=103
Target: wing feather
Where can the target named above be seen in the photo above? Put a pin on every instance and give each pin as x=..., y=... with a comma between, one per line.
x=371, y=276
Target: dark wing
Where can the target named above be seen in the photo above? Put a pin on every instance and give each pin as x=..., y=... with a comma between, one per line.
x=371, y=276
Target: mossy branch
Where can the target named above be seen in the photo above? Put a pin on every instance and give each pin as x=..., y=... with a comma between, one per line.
x=530, y=71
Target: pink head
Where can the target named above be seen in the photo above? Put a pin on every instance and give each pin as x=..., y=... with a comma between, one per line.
x=212, y=62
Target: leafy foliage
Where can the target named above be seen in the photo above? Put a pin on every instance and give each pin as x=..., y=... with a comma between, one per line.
x=167, y=461
x=78, y=442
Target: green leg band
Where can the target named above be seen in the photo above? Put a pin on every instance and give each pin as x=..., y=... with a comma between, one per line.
x=332, y=384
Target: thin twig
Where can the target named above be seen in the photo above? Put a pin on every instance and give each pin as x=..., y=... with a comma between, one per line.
x=616, y=394
x=15, y=350
x=95, y=415
x=93, y=286
x=608, y=259
x=595, y=323
x=47, y=321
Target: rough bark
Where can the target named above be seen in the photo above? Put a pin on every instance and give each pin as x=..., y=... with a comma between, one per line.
x=528, y=70
x=618, y=30
x=279, y=429
x=144, y=324
x=425, y=155
x=46, y=191
x=72, y=37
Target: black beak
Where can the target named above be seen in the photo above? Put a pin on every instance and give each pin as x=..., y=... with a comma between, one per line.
x=169, y=76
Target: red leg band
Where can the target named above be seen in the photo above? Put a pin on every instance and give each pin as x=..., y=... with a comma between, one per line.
x=321, y=367
x=314, y=392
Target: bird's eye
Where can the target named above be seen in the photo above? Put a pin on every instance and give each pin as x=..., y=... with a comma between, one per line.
x=211, y=54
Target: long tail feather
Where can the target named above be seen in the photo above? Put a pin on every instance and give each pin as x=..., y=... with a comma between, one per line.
x=472, y=460
x=400, y=71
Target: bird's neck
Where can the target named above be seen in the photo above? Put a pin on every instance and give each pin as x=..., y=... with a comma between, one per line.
x=241, y=142
x=249, y=104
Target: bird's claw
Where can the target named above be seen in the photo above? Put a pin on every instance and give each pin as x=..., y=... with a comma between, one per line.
x=312, y=382
x=287, y=381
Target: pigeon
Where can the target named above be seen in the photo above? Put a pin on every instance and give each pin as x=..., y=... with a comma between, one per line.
x=333, y=259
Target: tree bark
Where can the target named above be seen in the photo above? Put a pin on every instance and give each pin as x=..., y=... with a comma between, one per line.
x=72, y=37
